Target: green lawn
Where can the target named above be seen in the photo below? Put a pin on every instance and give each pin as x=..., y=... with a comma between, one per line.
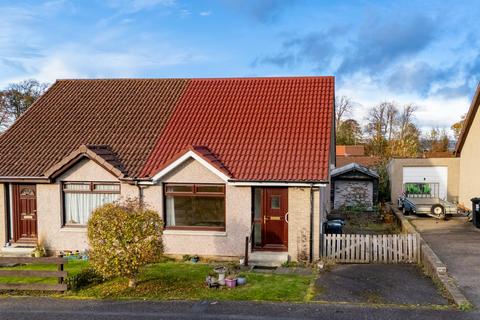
x=185, y=281
x=73, y=267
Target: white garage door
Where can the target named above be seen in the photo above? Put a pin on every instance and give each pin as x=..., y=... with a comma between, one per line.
x=428, y=175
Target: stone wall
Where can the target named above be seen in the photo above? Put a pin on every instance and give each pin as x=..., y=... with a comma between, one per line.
x=353, y=193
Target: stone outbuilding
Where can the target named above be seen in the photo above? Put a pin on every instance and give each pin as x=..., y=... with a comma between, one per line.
x=354, y=185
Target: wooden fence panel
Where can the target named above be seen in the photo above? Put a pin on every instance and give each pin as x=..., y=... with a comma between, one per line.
x=356, y=248
x=60, y=274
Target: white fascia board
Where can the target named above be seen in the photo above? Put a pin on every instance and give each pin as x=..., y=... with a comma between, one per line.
x=186, y=156
x=275, y=184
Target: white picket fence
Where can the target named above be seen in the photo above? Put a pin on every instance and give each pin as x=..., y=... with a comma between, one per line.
x=359, y=248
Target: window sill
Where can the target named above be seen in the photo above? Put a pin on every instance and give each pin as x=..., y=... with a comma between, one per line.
x=73, y=229
x=195, y=233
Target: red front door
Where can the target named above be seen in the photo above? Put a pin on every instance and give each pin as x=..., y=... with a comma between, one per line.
x=275, y=219
x=24, y=212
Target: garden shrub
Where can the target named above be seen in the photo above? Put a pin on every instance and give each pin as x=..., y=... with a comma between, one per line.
x=123, y=237
x=85, y=277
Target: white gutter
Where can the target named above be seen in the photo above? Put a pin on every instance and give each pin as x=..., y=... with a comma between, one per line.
x=257, y=184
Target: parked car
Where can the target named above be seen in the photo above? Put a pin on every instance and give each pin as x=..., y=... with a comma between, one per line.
x=423, y=199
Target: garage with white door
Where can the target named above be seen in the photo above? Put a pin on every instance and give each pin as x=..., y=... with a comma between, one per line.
x=433, y=175
x=442, y=172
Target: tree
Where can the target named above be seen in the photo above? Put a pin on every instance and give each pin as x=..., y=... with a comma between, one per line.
x=349, y=133
x=18, y=97
x=343, y=108
x=436, y=140
x=457, y=127
x=124, y=237
x=392, y=132
x=5, y=118
x=379, y=128
x=406, y=141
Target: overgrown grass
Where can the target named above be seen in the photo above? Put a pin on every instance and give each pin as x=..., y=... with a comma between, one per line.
x=185, y=281
x=368, y=222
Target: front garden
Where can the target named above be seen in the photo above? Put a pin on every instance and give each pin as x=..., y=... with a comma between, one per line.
x=361, y=221
x=170, y=280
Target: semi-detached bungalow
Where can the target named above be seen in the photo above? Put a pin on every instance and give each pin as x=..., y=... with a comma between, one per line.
x=220, y=159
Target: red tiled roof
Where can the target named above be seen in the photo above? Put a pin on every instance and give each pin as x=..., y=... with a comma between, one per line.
x=366, y=161
x=258, y=129
x=263, y=129
x=344, y=150
x=203, y=152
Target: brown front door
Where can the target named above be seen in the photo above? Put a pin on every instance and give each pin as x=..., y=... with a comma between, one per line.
x=275, y=219
x=24, y=212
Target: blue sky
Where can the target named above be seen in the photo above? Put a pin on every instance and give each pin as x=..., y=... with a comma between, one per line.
x=423, y=52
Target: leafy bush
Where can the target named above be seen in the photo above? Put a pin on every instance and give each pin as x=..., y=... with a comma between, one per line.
x=84, y=278
x=123, y=237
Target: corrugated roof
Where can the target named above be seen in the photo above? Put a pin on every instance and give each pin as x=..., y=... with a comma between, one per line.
x=263, y=129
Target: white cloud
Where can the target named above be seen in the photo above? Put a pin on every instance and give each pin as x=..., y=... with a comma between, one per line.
x=205, y=13
x=433, y=110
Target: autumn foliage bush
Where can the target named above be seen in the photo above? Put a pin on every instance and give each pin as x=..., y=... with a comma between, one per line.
x=123, y=237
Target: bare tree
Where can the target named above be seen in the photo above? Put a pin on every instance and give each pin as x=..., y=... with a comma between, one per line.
x=343, y=108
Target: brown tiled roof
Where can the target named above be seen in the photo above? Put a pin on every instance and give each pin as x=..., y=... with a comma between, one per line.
x=260, y=129
x=101, y=154
x=125, y=114
x=263, y=129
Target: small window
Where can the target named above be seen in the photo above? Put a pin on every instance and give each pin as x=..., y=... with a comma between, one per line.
x=179, y=188
x=275, y=202
x=76, y=186
x=106, y=187
x=209, y=189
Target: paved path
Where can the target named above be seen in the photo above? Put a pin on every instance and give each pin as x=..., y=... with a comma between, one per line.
x=457, y=244
x=32, y=308
x=378, y=283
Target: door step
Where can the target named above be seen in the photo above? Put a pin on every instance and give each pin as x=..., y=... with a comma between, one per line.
x=267, y=258
x=17, y=251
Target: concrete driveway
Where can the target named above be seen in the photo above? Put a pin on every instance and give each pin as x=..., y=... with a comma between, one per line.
x=378, y=283
x=457, y=244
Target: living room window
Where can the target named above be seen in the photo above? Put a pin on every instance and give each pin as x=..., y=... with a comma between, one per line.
x=195, y=206
x=81, y=198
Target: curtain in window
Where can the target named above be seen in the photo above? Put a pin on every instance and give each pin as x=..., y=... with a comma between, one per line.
x=170, y=206
x=79, y=206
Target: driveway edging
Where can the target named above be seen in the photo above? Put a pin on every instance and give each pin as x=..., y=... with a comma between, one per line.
x=432, y=263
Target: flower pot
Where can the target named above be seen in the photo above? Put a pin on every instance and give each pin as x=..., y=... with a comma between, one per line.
x=241, y=281
x=194, y=259
x=231, y=283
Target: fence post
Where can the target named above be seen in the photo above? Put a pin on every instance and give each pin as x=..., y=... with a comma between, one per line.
x=246, y=252
x=60, y=268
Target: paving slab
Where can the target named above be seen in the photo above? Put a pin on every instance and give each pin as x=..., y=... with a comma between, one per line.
x=378, y=283
x=457, y=243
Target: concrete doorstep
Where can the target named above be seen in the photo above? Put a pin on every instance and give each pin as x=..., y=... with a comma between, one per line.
x=433, y=265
